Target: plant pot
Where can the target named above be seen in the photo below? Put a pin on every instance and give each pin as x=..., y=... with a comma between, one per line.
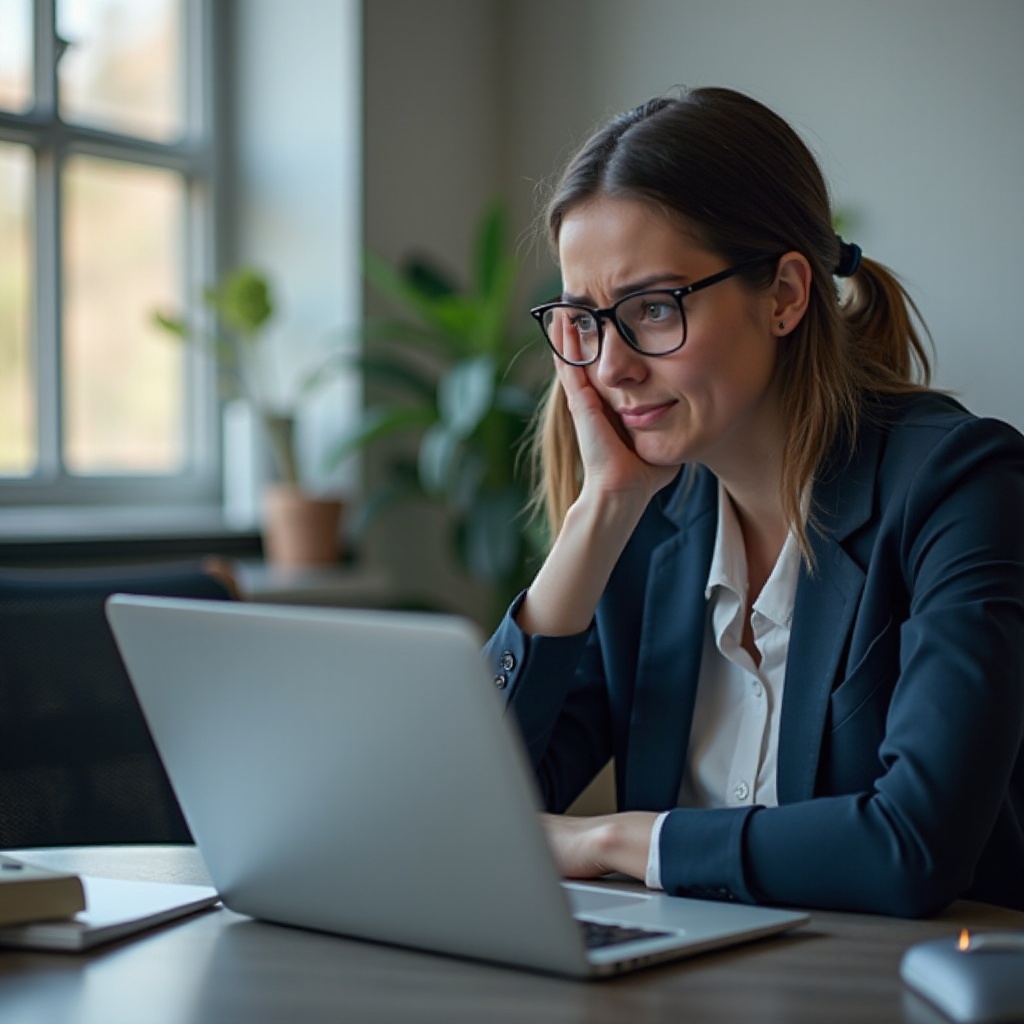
x=298, y=528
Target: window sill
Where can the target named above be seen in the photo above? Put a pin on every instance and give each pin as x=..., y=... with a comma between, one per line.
x=63, y=536
x=342, y=585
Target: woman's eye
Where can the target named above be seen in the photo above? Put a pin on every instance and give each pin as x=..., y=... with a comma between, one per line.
x=657, y=312
x=583, y=323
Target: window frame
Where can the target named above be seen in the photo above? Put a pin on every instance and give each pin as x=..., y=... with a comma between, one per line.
x=195, y=157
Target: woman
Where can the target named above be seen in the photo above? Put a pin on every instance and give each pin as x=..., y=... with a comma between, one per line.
x=786, y=589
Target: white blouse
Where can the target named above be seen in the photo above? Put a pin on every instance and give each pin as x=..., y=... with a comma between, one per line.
x=734, y=738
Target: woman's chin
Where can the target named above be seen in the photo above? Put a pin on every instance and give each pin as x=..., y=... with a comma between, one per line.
x=660, y=455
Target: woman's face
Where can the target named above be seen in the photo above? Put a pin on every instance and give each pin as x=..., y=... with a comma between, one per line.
x=711, y=401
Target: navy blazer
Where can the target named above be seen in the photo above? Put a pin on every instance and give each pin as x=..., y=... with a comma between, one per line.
x=900, y=774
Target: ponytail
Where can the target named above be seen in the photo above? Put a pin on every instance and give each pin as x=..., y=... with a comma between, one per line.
x=880, y=315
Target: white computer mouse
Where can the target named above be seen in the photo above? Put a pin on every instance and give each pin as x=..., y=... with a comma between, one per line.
x=975, y=979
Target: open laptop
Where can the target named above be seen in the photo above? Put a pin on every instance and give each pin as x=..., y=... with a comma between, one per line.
x=353, y=772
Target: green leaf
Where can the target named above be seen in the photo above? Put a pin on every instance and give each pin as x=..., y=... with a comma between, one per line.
x=491, y=535
x=515, y=401
x=428, y=278
x=376, y=423
x=395, y=370
x=492, y=334
x=244, y=302
x=465, y=394
x=369, y=510
x=448, y=313
x=456, y=317
x=395, y=286
x=467, y=479
x=438, y=459
x=401, y=336
x=173, y=325
x=489, y=250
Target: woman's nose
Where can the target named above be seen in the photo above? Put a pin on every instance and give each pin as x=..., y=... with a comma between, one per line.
x=618, y=360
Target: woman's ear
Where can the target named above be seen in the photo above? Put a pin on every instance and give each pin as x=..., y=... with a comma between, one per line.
x=791, y=292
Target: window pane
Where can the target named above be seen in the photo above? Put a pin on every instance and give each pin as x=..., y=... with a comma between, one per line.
x=15, y=54
x=124, y=379
x=17, y=405
x=123, y=68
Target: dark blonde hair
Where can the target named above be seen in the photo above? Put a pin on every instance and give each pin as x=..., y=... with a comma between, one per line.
x=741, y=179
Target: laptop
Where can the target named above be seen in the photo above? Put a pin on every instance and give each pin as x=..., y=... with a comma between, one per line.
x=353, y=772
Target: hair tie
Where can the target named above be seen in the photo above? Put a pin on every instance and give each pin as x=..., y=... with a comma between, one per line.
x=849, y=258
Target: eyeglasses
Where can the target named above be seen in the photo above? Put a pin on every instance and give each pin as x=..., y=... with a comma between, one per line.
x=652, y=323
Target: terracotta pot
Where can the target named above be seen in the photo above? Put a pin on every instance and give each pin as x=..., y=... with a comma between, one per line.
x=299, y=529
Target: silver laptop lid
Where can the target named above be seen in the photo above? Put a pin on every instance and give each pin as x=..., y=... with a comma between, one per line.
x=296, y=740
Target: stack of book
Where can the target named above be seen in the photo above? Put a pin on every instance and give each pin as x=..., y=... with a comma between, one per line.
x=45, y=909
x=31, y=893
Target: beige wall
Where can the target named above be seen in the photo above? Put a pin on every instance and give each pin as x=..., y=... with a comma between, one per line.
x=430, y=158
x=432, y=118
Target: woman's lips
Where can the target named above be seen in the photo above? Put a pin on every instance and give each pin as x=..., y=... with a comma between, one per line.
x=638, y=417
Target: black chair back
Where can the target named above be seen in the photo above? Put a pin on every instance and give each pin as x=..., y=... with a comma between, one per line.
x=77, y=763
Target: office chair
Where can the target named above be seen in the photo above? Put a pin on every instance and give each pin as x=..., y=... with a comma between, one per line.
x=77, y=763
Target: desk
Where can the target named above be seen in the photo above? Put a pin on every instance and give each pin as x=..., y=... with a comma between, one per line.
x=221, y=968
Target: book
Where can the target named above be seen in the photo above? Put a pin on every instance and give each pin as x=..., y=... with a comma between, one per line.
x=32, y=893
x=114, y=909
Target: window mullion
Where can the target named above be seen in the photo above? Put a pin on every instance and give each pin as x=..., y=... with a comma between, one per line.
x=47, y=294
x=48, y=316
x=44, y=43
x=200, y=251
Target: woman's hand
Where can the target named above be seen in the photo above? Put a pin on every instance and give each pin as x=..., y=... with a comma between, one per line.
x=610, y=463
x=591, y=847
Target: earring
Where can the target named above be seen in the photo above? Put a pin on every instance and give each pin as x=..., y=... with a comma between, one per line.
x=782, y=325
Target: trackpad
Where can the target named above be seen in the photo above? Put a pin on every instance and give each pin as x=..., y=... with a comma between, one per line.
x=589, y=900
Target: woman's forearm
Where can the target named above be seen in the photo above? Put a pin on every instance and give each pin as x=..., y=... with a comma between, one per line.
x=563, y=597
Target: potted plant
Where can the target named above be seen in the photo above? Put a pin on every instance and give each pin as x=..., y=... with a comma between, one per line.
x=451, y=376
x=299, y=528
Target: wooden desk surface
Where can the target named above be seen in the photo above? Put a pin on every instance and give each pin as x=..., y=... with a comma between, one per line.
x=221, y=968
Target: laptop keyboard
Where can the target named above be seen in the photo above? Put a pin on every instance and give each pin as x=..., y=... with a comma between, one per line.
x=597, y=935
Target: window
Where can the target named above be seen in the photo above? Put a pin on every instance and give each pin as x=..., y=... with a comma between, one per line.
x=106, y=189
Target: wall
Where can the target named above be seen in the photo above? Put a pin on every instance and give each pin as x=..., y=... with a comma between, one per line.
x=431, y=155
x=295, y=180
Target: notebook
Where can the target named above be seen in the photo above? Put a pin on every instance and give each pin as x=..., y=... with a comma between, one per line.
x=353, y=772
x=113, y=910
x=29, y=892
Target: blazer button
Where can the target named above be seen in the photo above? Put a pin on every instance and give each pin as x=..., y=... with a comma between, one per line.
x=508, y=661
x=501, y=680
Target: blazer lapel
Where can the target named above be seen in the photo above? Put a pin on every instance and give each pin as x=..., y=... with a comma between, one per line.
x=671, y=642
x=824, y=613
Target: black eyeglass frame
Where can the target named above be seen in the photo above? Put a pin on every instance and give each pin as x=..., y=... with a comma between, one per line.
x=609, y=313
